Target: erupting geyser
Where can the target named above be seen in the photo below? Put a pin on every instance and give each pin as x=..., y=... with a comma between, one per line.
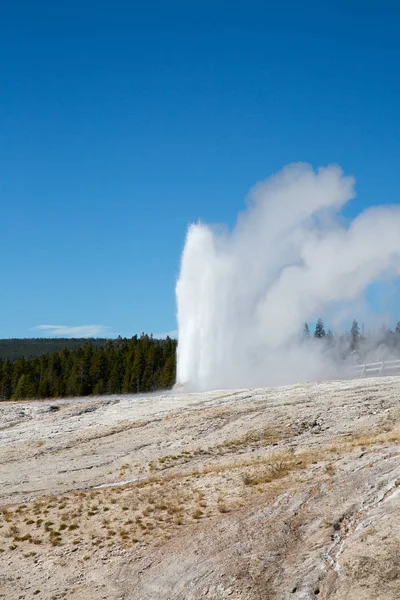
x=243, y=295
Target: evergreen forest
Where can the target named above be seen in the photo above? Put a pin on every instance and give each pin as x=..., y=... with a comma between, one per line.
x=139, y=364
x=58, y=368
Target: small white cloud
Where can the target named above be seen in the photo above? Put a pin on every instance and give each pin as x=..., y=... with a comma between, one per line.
x=161, y=336
x=80, y=331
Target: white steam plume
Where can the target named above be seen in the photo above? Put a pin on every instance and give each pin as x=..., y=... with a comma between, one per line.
x=243, y=295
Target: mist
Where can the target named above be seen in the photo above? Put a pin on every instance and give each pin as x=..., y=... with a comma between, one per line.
x=244, y=294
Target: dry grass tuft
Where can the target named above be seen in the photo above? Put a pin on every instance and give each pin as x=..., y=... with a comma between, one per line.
x=208, y=483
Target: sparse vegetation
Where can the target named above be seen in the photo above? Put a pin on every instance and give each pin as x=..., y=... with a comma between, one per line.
x=207, y=483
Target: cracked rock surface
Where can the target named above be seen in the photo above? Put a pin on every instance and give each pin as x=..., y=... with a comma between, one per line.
x=261, y=494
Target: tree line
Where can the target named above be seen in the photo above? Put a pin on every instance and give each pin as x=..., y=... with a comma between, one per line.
x=145, y=364
x=356, y=341
x=139, y=364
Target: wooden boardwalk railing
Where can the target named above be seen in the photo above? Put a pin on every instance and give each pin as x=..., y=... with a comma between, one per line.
x=384, y=367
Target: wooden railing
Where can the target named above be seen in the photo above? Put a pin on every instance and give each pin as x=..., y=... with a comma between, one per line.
x=374, y=369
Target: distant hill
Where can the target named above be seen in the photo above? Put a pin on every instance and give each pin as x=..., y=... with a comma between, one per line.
x=13, y=348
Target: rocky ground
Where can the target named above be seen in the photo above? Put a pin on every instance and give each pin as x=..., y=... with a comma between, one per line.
x=276, y=493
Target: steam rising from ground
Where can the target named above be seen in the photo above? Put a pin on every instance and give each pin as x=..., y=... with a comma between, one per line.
x=244, y=294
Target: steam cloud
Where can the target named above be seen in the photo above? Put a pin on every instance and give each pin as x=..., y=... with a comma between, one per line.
x=243, y=295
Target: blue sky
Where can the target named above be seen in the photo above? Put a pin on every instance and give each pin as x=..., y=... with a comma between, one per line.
x=121, y=122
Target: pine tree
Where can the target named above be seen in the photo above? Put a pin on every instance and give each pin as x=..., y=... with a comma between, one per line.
x=168, y=375
x=99, y=366
x=138, y=368
x=20, y=367
x=319, y=329
x=25, y=388
x=100, y=388
x=116, y=378
x=127, y=384
x=355, y=335
x=6, y=380
x=306, y=331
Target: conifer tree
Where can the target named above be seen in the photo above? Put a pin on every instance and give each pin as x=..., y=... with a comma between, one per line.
x=355, y=335
x=319, y=329
x=25, y=388
x=6, y=380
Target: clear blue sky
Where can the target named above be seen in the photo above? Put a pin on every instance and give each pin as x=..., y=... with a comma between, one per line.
x=120, y=122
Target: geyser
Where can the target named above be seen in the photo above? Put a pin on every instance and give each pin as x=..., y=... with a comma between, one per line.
x=243, y=295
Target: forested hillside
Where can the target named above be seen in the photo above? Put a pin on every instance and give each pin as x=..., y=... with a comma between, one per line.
x=117, y=366
x=13, y=348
